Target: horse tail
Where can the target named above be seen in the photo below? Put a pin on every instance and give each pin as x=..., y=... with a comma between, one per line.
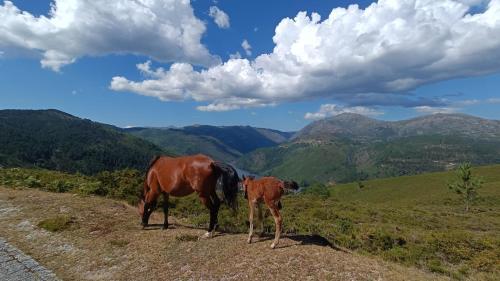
x=151, y=163
x=227, y=180
x=290, y=185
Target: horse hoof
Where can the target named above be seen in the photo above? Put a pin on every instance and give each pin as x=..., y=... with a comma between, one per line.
x=273, y=246
x=249, y=241
x=206, y=235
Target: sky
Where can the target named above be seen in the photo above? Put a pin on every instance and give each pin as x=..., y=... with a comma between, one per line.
x=275, y=64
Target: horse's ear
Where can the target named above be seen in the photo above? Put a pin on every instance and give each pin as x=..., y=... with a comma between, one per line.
x=243, y=177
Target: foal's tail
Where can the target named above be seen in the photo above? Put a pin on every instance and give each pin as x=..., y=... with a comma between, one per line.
x=228, y=180
x=290, y=185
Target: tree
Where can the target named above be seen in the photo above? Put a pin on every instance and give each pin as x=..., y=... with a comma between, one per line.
x=466, y=185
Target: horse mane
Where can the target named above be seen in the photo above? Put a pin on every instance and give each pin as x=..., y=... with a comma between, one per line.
x=228, y=180
x=151, y=163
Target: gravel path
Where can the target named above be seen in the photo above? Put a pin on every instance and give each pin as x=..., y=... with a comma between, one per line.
x=16, y=266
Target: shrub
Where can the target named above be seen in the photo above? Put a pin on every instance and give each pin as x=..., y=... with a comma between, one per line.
x=186, y=238
x=60, y=186
x=58, y=223
x=119, y=243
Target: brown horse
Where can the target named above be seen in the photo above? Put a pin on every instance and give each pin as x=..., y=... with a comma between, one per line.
x=269, y=190
x=182, y=176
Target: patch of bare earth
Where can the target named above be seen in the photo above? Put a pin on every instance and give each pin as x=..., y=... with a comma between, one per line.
x=106, y=242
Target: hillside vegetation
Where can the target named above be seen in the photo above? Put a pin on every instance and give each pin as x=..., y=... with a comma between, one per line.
x=224, y=143
x=412, y=220
x=351, y=147
x=55, y=140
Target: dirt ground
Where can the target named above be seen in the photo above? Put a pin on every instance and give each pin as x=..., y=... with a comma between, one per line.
x=106, y=242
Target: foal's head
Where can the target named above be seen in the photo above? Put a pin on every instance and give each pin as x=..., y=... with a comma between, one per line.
x=245, y=181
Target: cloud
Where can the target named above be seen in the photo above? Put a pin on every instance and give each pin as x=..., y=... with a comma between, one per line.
x=389, y=99
x=236, y=55
x=247, y=47
x=327, y=110
x=221, y=19
x=165, y=30
x=389, y=48
x=434, y=110
x=493, y=100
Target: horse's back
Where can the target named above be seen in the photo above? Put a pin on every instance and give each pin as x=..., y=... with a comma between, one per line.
x=181, y=176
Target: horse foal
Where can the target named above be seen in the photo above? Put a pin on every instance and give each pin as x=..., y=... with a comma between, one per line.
x=268, y=190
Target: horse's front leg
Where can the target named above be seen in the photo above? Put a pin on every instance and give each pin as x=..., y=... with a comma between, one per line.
x=251, y=207
x=165, y=210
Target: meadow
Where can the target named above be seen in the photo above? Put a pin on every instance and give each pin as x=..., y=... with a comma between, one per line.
x=410, y=220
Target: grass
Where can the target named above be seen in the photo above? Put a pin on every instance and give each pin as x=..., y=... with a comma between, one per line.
x=411, y=220
x=186, y=238
x=119, y=243
x=58, y=223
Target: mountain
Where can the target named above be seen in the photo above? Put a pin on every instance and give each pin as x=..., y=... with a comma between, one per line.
x=225, y=143
x=350, y=147
x=56, y=140
x=359, y=127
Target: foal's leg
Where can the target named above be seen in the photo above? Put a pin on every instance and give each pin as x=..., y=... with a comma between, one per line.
x=277, y=221
x=260, y=214
x=251, y=210
x=165, y=210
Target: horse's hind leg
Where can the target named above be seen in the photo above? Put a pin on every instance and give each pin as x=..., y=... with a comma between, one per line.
x=213, y=207
x=165, y=210
x=214, y=212
x=277, y=221
x=260, y=214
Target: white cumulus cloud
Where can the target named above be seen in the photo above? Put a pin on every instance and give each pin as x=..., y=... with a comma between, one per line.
x=165, y=30
x=392, y=46
x=327, y=110
x=221, y=19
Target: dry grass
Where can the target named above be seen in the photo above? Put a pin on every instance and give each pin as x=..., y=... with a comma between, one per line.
x=109, y=244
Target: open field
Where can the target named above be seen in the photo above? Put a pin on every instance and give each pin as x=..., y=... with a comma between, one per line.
x=414, y=221
x=105, y=242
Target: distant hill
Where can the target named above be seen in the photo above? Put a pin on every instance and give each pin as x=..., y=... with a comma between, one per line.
x=359, y=127
x=349, y=147
x=225, y=143
x=56, y=140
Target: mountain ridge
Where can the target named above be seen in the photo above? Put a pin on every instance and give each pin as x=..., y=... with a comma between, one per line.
x=56, y=140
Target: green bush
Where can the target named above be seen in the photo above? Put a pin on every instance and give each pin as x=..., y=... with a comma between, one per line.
x=58, y=223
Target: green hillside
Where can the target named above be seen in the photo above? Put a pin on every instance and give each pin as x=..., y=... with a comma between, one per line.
x=185, y=144
x=350, y=147
x=55, y=140
x=225, y=143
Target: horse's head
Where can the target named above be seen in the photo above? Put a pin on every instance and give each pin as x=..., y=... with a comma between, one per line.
x=140, y=207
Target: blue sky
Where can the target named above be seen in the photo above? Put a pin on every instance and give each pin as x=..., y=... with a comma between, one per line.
x=83, y=87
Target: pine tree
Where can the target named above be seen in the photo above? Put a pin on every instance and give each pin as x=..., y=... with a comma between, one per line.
x=466, y=185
